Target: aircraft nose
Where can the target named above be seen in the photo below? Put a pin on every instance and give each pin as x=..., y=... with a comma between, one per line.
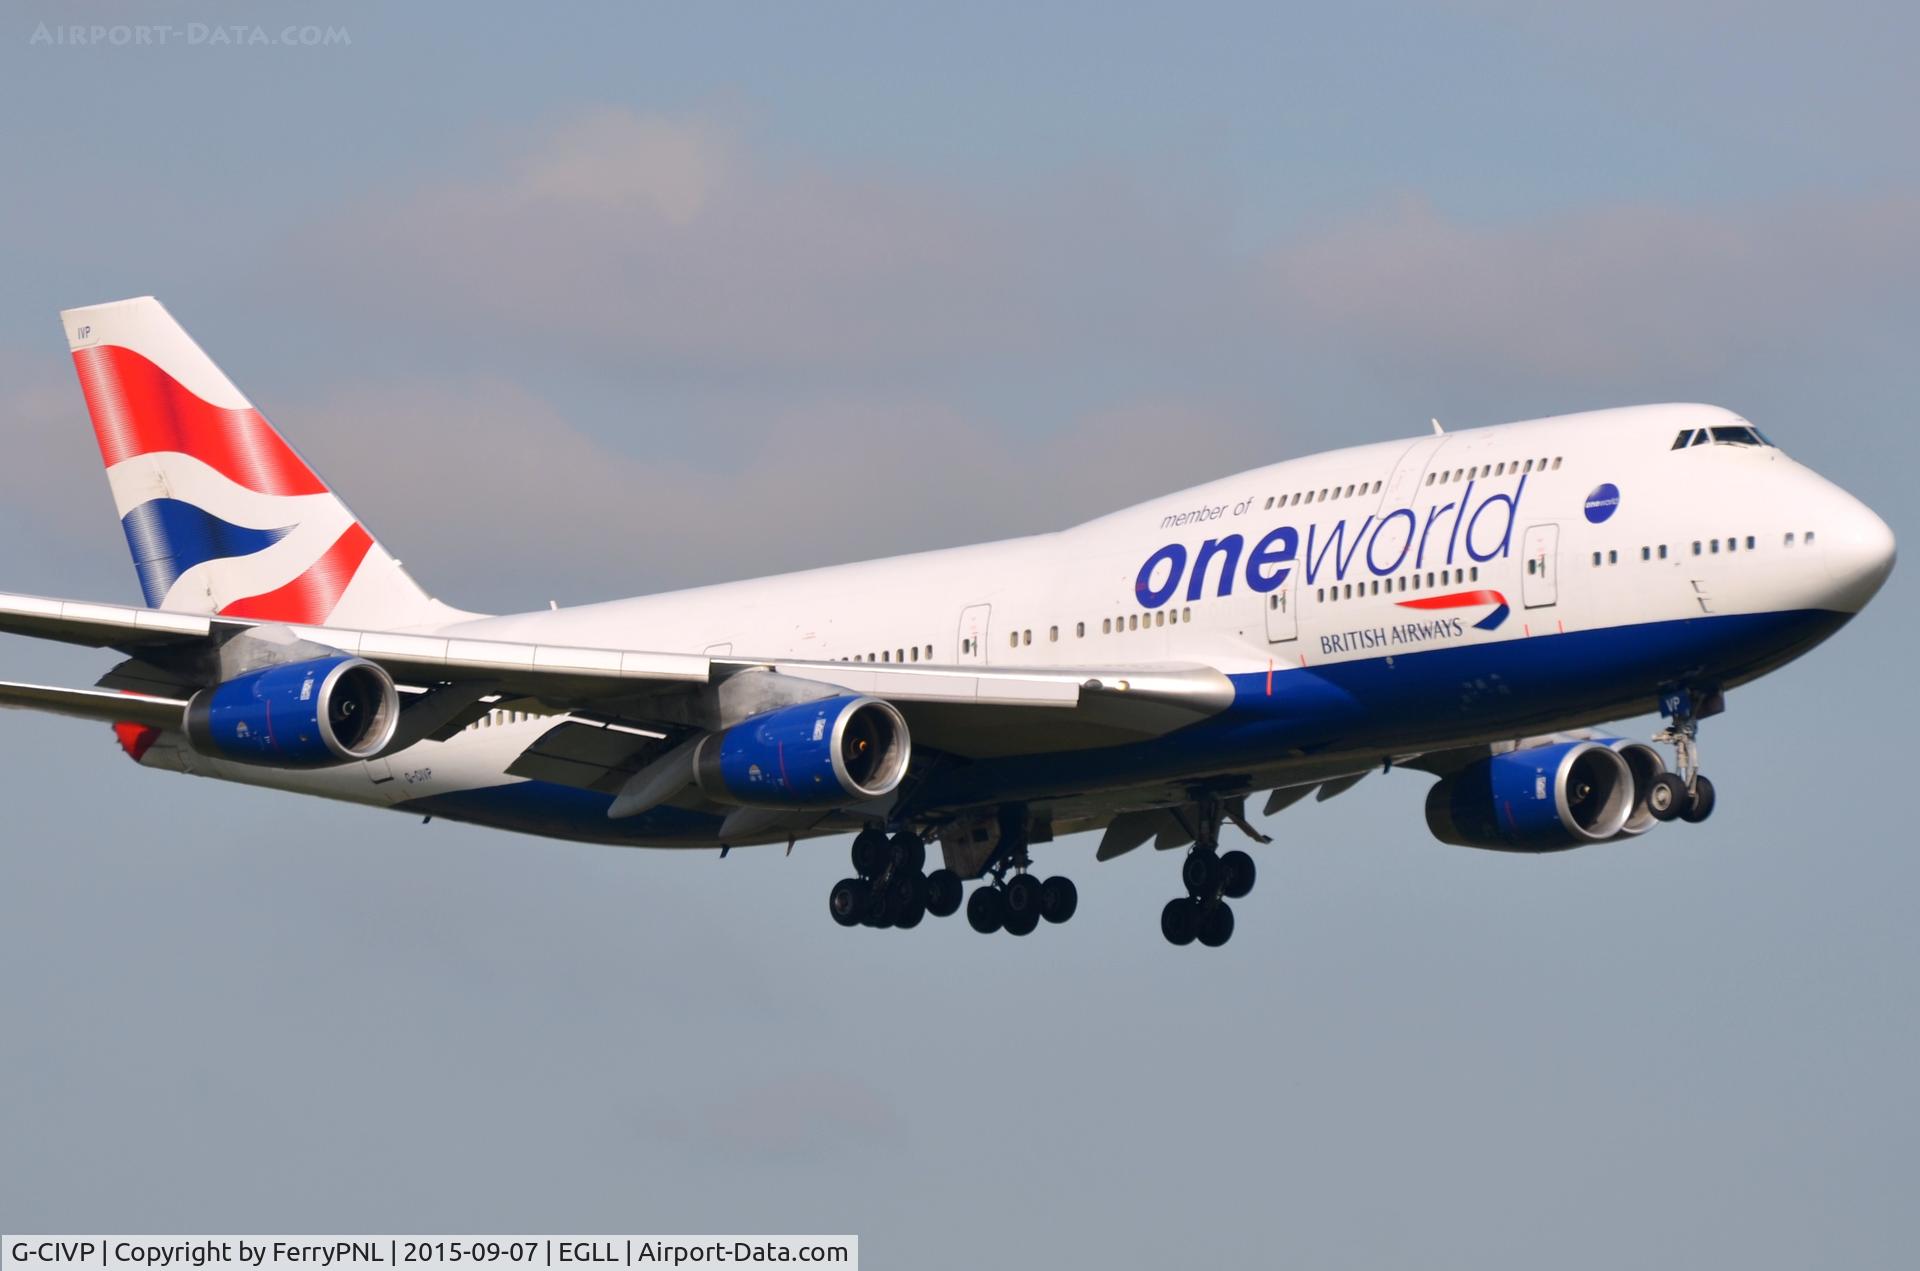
x=1858, y=549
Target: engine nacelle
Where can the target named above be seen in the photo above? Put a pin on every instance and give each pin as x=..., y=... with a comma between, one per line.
x=819, y=754
x=1543, y=799
x=311, y=714
x=1646, y=765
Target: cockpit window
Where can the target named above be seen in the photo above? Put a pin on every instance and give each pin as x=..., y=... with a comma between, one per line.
x=1723, y=435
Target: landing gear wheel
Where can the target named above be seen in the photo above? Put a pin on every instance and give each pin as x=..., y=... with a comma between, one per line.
x=870, y=849
x=1667, y=796
x=908, y=918
x=986, y=910
x=1216, y=926
x=1700, y=806
x=1022, y=924
x=1180, y=921
x=1200, y=871
x=1023, y=897
x=909, y=853
x=1058, y=899
x=1238, y=874
x=943, y=893
x=848, y=901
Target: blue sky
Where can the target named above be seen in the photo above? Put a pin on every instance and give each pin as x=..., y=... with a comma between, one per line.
x=597, y=303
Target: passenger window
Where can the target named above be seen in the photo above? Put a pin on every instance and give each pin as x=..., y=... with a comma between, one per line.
x=1749, y=542
x=1013, y=639
x=1186, y=613
x=1789, y=538
x=1106, y=626
x=1663, y=551
x=1646, y=553
x=1133, y=622
x=1556, y=463
x=1053, y=635
x=1714, y=546
x=1079, y=630
x=1809, y=538
x=1613, y=557
x=1696, y=547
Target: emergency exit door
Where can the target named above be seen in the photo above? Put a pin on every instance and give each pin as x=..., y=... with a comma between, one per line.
x=1283, y=623
x=1539, y=585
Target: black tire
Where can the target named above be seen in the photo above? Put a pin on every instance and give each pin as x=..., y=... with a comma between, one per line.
x=848, y=901
x=1700, y=806
x=1180, y=920
x=909, y=917
x=1200, y=872
x=909, y=853
x=986, y=910
x=1023, y=896
x=870, y=849
x=1667, y=796
x=1058, y=899
x=1022, y=924
x=1216, y=926
x=944, y=893
x=1238, y=873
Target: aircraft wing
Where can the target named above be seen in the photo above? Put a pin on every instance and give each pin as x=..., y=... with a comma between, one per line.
x=959, y=709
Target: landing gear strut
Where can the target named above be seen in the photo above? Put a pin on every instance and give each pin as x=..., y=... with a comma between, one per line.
x=1684, y=793
x=1016, y=901
x=891, y=887
x=1212, y=878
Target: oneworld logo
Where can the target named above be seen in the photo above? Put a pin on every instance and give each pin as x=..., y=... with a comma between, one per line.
x=1603, y=502
x=1472, y=529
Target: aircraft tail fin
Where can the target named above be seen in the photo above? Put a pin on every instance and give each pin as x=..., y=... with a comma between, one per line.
x=221, y=514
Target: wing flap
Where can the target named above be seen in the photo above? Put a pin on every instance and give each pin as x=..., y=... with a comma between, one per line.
x=587, y=756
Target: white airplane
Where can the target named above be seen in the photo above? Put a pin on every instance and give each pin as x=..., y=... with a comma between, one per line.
x=1469, y=604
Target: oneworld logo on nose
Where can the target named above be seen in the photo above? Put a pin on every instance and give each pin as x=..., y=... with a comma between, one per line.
x=1603, y=502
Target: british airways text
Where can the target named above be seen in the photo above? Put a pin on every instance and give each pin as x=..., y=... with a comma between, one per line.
x=1483, y=530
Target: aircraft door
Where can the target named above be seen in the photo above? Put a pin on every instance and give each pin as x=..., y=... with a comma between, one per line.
x=1540, y=586
x=1404, y=485
x=1283, y=621
x=970, y=646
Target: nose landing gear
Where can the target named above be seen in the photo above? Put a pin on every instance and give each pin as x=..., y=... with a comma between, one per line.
x=1684, y=793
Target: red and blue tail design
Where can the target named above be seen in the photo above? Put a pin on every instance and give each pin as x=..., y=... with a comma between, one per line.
x=222, y=516
x=1466, y=600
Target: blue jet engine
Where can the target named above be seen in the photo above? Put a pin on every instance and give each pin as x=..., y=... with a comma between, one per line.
x=819, y=754
x=1542, y=799
x=311, y=714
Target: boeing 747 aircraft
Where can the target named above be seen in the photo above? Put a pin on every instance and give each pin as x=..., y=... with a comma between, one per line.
x=1473, y=605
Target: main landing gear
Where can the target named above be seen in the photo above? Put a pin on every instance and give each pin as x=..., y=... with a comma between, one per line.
x=1016, y=901
x=1212, y=879
x=1684, y=793
x=892, y=887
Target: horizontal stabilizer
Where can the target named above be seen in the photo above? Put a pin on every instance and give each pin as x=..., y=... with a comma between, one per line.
x=106, y=705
